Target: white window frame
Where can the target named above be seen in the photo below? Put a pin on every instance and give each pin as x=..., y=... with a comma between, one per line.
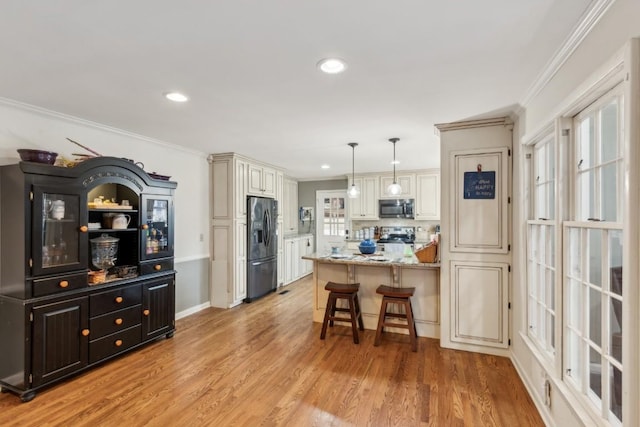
x=579, y=327
x=543, y=252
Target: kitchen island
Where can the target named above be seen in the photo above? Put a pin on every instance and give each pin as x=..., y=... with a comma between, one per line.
x=373, y=271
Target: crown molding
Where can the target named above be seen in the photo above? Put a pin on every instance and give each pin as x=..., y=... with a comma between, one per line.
x=99, y=126
x=588, y=20
x=469, y=124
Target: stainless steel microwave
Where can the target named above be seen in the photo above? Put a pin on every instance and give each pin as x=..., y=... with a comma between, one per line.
x=396, y=208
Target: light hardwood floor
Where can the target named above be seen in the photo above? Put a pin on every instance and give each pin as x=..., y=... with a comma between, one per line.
x=264, y=364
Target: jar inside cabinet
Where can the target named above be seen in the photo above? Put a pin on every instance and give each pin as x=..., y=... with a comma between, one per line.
x=113, y=215
x=58, y=239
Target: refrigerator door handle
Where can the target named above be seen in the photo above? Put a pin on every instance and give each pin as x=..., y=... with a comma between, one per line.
x=267, y=229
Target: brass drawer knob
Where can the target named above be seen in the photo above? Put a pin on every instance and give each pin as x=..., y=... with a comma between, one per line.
x=157, y=267
x=85, y=332
x=144, y=227
x=146, y=312
x=118, y=321
x=84, y=228
x=63, y=284
x=118, y=343
x=119, y=300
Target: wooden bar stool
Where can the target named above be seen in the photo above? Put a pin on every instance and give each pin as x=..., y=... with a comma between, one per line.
x=348, y=292
x=401, y=297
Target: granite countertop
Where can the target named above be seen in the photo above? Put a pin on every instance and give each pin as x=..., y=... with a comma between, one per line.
x=296, y=235
x=375, y=259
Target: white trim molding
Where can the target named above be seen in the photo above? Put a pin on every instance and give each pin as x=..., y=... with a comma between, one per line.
x=588, y=20
x=88, y=123
x=193, y=310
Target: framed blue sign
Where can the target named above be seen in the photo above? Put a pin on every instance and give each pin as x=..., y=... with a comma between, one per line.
x=480, y=185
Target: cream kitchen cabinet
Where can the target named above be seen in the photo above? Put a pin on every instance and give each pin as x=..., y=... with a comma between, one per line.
x=241, y=172
x=407, y=183
x=294, y=249
x=233, y=178
x=239, y=291
x=290, y=208
x=428, y=196
x=262, y=181
x=280, y=194
x=305, y=247
x=366, y=205
x=280, y=273
x=291, y=257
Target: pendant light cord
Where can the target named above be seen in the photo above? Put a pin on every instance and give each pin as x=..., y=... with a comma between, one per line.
x=353, y=146
x=394, y=140
x=394, y=162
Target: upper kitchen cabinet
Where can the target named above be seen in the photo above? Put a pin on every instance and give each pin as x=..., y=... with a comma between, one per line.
x=428, y=196
x=262, y=181
x=366, y=205
x=290, y=206
x=406, y=181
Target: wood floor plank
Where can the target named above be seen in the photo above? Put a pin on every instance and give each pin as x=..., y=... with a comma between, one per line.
x=263, y=364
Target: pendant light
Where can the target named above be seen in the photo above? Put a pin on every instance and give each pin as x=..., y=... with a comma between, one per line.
x=353, y=191
x=394, y=189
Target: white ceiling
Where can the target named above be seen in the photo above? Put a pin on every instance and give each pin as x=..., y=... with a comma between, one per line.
x=249, y=67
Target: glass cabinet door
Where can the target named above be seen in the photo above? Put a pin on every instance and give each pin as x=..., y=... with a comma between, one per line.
x=157, y=224
x=59, y=240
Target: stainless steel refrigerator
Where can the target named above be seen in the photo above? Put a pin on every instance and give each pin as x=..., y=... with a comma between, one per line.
x=262, y=247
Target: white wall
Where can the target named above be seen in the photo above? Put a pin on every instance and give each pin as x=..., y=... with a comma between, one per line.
x=620, y=23
x=30, y=127
x=23, y=126
x=616, y=27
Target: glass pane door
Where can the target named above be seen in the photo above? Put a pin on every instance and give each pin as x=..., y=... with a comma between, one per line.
x=331, y=220
x=58, y=242
x=157, y=233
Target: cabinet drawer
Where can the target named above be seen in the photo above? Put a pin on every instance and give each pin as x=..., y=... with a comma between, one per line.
x=56, y=284
x=118, y=299
x=114, y=343
x=156, y=266
x=115, y=321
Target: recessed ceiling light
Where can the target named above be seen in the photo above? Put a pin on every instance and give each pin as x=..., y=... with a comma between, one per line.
x=332, y=65
x=395, y=162
x=325, y=166
x=176, y=97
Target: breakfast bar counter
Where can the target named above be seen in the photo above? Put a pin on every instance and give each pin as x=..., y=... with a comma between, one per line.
x=373, y=271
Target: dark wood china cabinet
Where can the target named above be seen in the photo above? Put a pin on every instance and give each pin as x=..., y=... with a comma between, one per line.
x=86, y=267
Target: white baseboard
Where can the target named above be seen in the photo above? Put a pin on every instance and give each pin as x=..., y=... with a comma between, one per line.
x=542, y=409
x=193, y=310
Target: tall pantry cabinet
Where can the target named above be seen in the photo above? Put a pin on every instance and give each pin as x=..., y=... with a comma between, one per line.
x=234, y=177
x=59, y=313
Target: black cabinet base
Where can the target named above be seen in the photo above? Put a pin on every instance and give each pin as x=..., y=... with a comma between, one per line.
x=28, y=396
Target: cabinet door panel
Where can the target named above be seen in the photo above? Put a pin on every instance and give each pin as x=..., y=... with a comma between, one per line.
x=269, y=182
x=407, y=183
x=58, y=244
x=255, y=180
x=158, y=308
x=59, y=346
x=479, y=303
x=157, y=227
x=428, y=198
